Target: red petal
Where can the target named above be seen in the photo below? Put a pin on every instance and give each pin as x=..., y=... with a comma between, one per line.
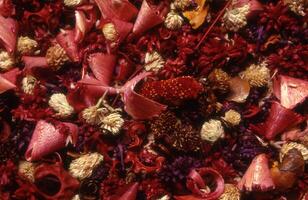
x=66, y=38
x=8, y=33
x=47, y=139
x=12, y=75
x=258, y=176
x=127, y=193
x=290, y=91
x=84, y=23
x=5, y=84
x=32, y=62
x=7, y=8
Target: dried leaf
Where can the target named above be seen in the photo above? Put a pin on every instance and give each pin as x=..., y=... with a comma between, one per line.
x=197, y=17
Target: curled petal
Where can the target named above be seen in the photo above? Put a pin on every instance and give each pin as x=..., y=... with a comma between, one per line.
x=140, y=167
x=84, y=24
x=258, y=176
x=8, y=33
x=129, y=192
x=66, y=39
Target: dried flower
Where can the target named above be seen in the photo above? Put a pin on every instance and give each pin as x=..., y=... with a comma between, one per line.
x=230, y=193
x=257, y=75
x=83, y=166
x=76, y=197
x=153, y=61
x=290, y=145
x=27, y=169
x=73, y=3
x=183, y=4
x=235, y=18
x=110, y=32
x=26, y=45
x=6, y=61
x=113, y=123
x=219, y=80
x=173, y=21
x=59, y=103
x=232, y=117
x=296, y=6
x=56, y=57
x=28, y=83
x=212, y=130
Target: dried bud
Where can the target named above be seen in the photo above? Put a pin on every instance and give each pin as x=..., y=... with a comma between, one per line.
x=110, y=32
x=297, y=6
x=232, y=117
x=6, y=61
x=256, y=75
x=173, y=21
x=236, y=18
x=113, y=123
x=290, y=145
x=183, y=4
x=27, y=169
x=83, y=166
x=26, y=45
x=219, y=80
x=56, y=57
x=28, y=83
x=230, y=193
x=212, y=130
x=94, y=115
x=59, y=103
x=153, y=61
x=73, y=3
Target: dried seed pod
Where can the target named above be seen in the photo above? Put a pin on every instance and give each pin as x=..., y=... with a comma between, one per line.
x=27, y=169
x=293, y=161
x=219, y=81
x=56, y=57
x=290, y=145
x=239, y=90
x=110, y=32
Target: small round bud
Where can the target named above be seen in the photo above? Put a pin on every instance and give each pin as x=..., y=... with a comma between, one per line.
x=173, y=21
x=257, y=75
x=28, y=84
x=6, y=61
x=235, y=19
x=27, y=169
x=56, y=57
x=59, y=103
x=113, y=123
x=110, y=32
x=26, y=45
x=153, y=61
x=232, y=117
x=212, y=130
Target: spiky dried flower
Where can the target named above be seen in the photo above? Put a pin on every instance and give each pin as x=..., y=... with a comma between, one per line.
x=257, y=75
x=212, y=130
x=73, y=3
x=230, y=193
x=110, y=32
x=27, y=169
x=83, y=166
x=26, y=45
x=235, y=19
x=28, y=83
x=59, y=103
x=153, y=61
x=173, y=21
x=56, y=57
x=293, y=145
x=297, y=6
x=232, y=117
x=6, y=61
x=219, y=80
x=112, y=123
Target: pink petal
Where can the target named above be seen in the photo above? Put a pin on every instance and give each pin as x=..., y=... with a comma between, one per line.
x=66, y=38
x=290, y=91
x=12, y=75
x=127, y=193
x=5, y=85
x=8, y=33
x=32, y=62
x=84, y=23
x=258, y=176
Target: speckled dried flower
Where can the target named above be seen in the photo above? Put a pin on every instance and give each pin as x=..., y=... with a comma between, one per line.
x=27, y=169
x=26, y=45
x=212, y=130
x=153, y=61
x=235, y=19
x=230, y=193
x=112, y=123
x=56, y=57
x=257, y=75
x=219, y=80
x=297, y=6
x=83, y=166
x=28, y=83
x=232, y=117
x=173, y=21
x=59, y=103
x=290, y=145
x=6, y=61
x=110, y=32
x=73, y=3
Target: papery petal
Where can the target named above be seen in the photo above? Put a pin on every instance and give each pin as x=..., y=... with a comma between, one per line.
x=84, y=23
x=258, y=176
x=8, y=33
x=5, y=84
x=290, y=91
x=12, y=75
x=127, y=193
x=32, y=62
x=47, y=139
x=7, y=8
x=66, y=39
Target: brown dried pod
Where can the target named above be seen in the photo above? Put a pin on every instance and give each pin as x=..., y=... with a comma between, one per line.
x=293, y=161
x=239, y=90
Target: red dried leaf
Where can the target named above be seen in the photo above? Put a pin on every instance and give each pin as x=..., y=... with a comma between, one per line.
x=66, y=39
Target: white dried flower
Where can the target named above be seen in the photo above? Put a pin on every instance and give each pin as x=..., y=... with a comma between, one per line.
x=73, y=3
x=59, y=103
x=153, y=61
x=28, y=83
x=27, y=169
x=212, y=130
x=235, y=18
x=173, y=21
x=290, y=145
x=257, y=75
x=56, y=57
x=76, y=197
x=6, y=61
x=26, y=45
x=83, y=166
x=113, y=123
x=110, y=32
x=232, y=117
x=183, y=4
x=296, y=6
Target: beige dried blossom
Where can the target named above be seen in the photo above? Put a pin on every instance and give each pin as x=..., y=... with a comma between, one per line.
x=27, y=169
x=235, y=18
x=153, y=61
x=76, y=197
x=290, y=145
x=173, y=21
x=59, y=103
x=113, y=123
x=231, y=192
x=182, y=4
x=28, y=84
x=83, y=166
x=26, y=45
x=73, y=3
x=257, y=75
x=56, y=57
x=110, y=32
x=6, y=61
x=232, y=117
x=297, y=6
x=212, y=130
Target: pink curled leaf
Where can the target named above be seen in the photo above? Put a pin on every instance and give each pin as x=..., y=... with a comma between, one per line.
x=66, y=39
x=8, y=33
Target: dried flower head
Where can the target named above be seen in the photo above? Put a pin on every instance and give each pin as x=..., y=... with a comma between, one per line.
x=256, y=75
x=94, y=115
x=110, y=32
x=183, y=4
x=6, y=61
x=212, y=130
x=83, y=166
x=112, y=123
x=73, y=3
x=56, y=57
x=26, y=45
x=28, y=83
x=235, y=18
x=173, y=21
x=27, y=169
x=76, y=197
x=290, y=145
x=232, y=117
x=230, y=193
x=219, y=80
x=297, y=6
x=59, y=103
x=153, y=61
